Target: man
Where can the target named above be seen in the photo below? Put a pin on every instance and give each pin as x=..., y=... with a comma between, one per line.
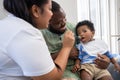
x=54, y=35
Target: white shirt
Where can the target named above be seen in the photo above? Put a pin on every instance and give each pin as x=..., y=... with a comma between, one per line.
x=23, y=51
x=89, y=51
x=95, y=46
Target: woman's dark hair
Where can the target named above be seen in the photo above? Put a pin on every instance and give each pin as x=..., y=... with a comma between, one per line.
x=88, y=23
x=21, y=8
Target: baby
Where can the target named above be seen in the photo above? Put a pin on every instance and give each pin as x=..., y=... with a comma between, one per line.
x=88, y=51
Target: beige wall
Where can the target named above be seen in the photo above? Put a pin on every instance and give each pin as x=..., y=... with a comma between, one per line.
x=70, y=7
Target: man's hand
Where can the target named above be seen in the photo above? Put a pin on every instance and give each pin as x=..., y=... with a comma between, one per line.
x=102, y=61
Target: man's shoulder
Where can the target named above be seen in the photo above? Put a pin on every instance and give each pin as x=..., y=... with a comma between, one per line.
x=70, y=26
x=45, y=31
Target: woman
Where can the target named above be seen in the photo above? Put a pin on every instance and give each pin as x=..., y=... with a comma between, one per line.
x=23, y=51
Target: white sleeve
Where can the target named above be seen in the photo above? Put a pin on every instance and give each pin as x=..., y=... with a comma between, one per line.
x=31, y=53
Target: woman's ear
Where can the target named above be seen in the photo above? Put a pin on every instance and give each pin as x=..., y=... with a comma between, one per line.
x=93, y=32
x=35, y=10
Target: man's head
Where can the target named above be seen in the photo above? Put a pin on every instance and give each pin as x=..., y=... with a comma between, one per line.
x=58, y=20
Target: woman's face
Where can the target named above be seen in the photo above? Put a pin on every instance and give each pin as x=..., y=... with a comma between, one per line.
x=42, y=20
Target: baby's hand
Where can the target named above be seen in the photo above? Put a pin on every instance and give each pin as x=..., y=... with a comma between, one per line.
x=75, y=68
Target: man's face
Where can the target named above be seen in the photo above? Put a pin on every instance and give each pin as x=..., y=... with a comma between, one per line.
x=58, y=22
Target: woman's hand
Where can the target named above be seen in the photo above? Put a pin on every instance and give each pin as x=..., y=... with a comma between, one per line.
x=68, y=40
x=102, y=61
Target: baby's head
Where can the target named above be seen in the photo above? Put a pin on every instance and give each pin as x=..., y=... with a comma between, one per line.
x=85, y=29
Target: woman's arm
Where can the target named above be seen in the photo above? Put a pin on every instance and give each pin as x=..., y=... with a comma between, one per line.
x=61, y=60
x=56, y=73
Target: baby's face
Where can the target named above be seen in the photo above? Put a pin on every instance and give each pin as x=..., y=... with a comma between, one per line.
x=85, y=33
